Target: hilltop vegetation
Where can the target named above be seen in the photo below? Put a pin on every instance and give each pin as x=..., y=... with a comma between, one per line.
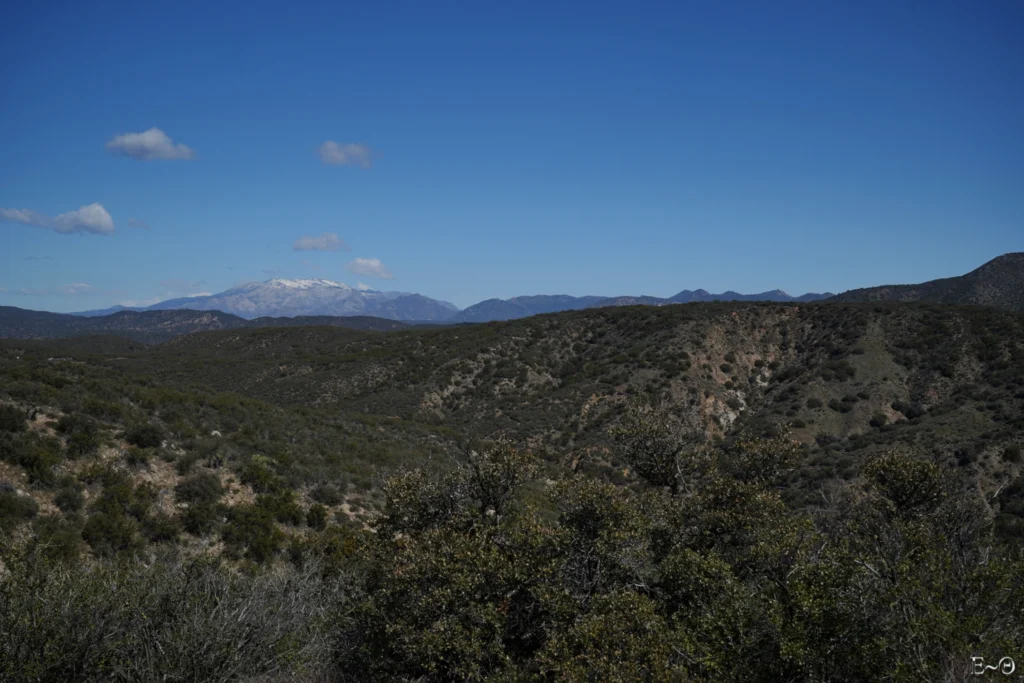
x=699, y=492
x=153, y=327
x=1000, y=283
x=851, y=380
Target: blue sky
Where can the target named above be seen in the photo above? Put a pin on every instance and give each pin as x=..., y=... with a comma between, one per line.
x=496, y=149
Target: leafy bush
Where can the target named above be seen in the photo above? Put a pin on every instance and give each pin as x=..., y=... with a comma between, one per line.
x=316, y=517
x=69, y=499
x=195, y=620
x=15, y=509
x=145, y=435
x=201, y=519
x=111, y=533
x=82, y=444
x=200, y=489
x=136, y=457
x=12, y=419
x=326, y=494
x=250, y=532
x=36, y=455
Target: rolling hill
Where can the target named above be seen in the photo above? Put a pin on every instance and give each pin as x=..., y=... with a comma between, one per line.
x=158, y=326
x=1000, y=283
x=851, y=380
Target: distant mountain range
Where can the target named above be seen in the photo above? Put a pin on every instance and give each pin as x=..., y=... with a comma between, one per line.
x=289, y=298
x=523, y=306
x=998, y=283
x=279, y=303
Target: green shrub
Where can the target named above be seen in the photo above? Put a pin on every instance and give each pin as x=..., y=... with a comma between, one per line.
x=201, y=519
x=60, y=540
x=12, y=419
x=250, y=532
x=282, y=507
x=879, y=420
x=136, y=457
x=203, y=488
x=69, y=499
x=326, y=494
x=110, y=533
x=184, y=464
x=316, y=517
x=73, y=423
x=15, y=509
x=1012, y=454
x=161, y=528
x=82, y=444
x=36, y=455
x=814, y=403
x=144, y=435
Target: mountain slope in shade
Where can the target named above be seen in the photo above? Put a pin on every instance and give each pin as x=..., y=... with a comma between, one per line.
x=999, y=283
x=522, y=307
x=776, y=295
x=153, y=327
x=106, y=311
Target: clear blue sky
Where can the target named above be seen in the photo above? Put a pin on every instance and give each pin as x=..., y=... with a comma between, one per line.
x=513, y=148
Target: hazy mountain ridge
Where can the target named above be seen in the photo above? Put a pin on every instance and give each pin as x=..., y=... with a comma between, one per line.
x=524, y=306
x=157, y=326
x=318, y=297
x=999, y=283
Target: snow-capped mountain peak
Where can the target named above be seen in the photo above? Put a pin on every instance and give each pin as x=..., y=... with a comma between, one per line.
x=283, y=297
x=309, y=283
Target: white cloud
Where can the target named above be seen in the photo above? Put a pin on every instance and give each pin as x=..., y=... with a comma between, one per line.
x=363, y=287
x=328, y=241
x=345, y=154
x=137, y=223
x=75, y=288
x=151, y=145
x=370, y=267
x=91, y=218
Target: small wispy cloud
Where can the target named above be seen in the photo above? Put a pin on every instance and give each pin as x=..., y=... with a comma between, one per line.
x=328, y=241
x=151, y=145
x=137, y=223
x=363, y=287
x=345, y=154
x=75, y=289
x=92, y=218
x=369, y=267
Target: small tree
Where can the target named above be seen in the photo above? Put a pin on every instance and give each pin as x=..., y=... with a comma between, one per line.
x=660, y=447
